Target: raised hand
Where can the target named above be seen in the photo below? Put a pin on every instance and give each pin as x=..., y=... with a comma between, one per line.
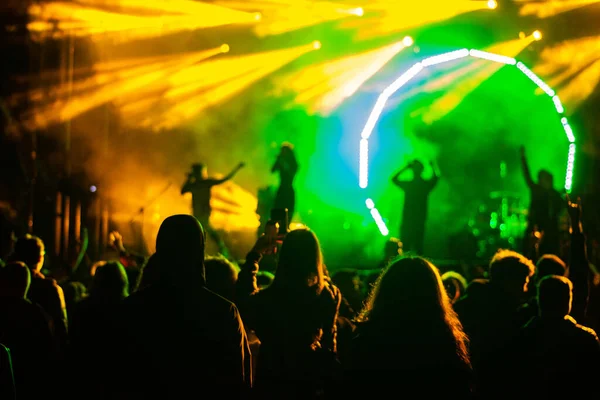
x=241, y=165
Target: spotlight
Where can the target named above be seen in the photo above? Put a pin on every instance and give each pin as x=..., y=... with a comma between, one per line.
x=316, y=45
x=93, y=189
x=224, y=48
x=359, y=12
x=408, y=41
x=537, y=35
x=492, y=4
x=257, y=16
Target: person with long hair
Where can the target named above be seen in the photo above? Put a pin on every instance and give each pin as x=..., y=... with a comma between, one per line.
x=294, y=318
x=408, y=337
x=287, y=167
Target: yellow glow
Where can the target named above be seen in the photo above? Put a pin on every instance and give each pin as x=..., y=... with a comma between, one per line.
x=316, y=45
x=323, y=87
x=188, y=91
x=280, y=16
x=104, y=87
x=537, y=35
x=128, y=19
x=390, y=16
x=224, y=48
x=545, y=9
x=492, y=4
x=469, y=78
x=572, y=68
x=408, y=41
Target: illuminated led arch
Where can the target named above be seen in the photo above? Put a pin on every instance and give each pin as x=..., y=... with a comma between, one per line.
x=440, y=59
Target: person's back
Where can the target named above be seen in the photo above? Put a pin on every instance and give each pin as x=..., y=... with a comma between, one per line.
x=179, y=338
x=492, y=315
x=563, y=357
x=409, y=339
x=25, y=330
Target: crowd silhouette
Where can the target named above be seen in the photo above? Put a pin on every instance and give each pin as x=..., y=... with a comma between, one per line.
x=183, y=323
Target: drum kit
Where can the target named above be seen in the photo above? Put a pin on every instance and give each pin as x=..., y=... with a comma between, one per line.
x=499, y=222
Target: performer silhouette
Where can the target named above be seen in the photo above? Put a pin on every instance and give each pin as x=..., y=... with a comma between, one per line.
x=414, y=214
x=199, y=185
x=287, y=166
x=546, y=205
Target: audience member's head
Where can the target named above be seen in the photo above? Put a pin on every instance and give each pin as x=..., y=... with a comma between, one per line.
x=545, y=179
x=30, y=250
x=221, y=276
x=180, y=250
x=15, y=279
x=511, y=271
x=110, y=282
x=74, y=293
x=199, y=171
x=300, y=262
x=455, y=285
x=410, y=290
x=549, y=264
x=554, y=296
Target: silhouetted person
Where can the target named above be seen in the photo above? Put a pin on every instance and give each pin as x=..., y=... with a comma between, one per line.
x=25, y=330
x=414, y=213
x=200, y=185
x=44, y=291
x=545, y=207
x=492, y=315
x=180, y=338
x=287, y=167
x=549, y=264
x=563, y=357
x=294, y=318
x=90, y=321
x=409, y=340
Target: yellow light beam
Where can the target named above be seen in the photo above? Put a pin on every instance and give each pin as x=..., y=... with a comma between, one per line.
x=385, y=17
x=106, y=87
x=323, y=87
x=198, y=87
x=471, y=80
x=545, y=9
x=61, y=18
x=280, y=16
x=572, y=68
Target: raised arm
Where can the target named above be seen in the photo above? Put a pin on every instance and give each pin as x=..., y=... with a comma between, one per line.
x=579, y=267
x=187, y=186
x=230, y=175
x=396, y=178
x=525, y=167
x=436, y=176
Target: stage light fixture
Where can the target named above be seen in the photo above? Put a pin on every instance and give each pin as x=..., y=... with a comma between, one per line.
x=522, y=35
x=224, y=48
x=257, y=16
x=316, y=45
x=408, y=41
x=492, y=4
x=537, y=35
x=370, y=204
x=358, y=11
